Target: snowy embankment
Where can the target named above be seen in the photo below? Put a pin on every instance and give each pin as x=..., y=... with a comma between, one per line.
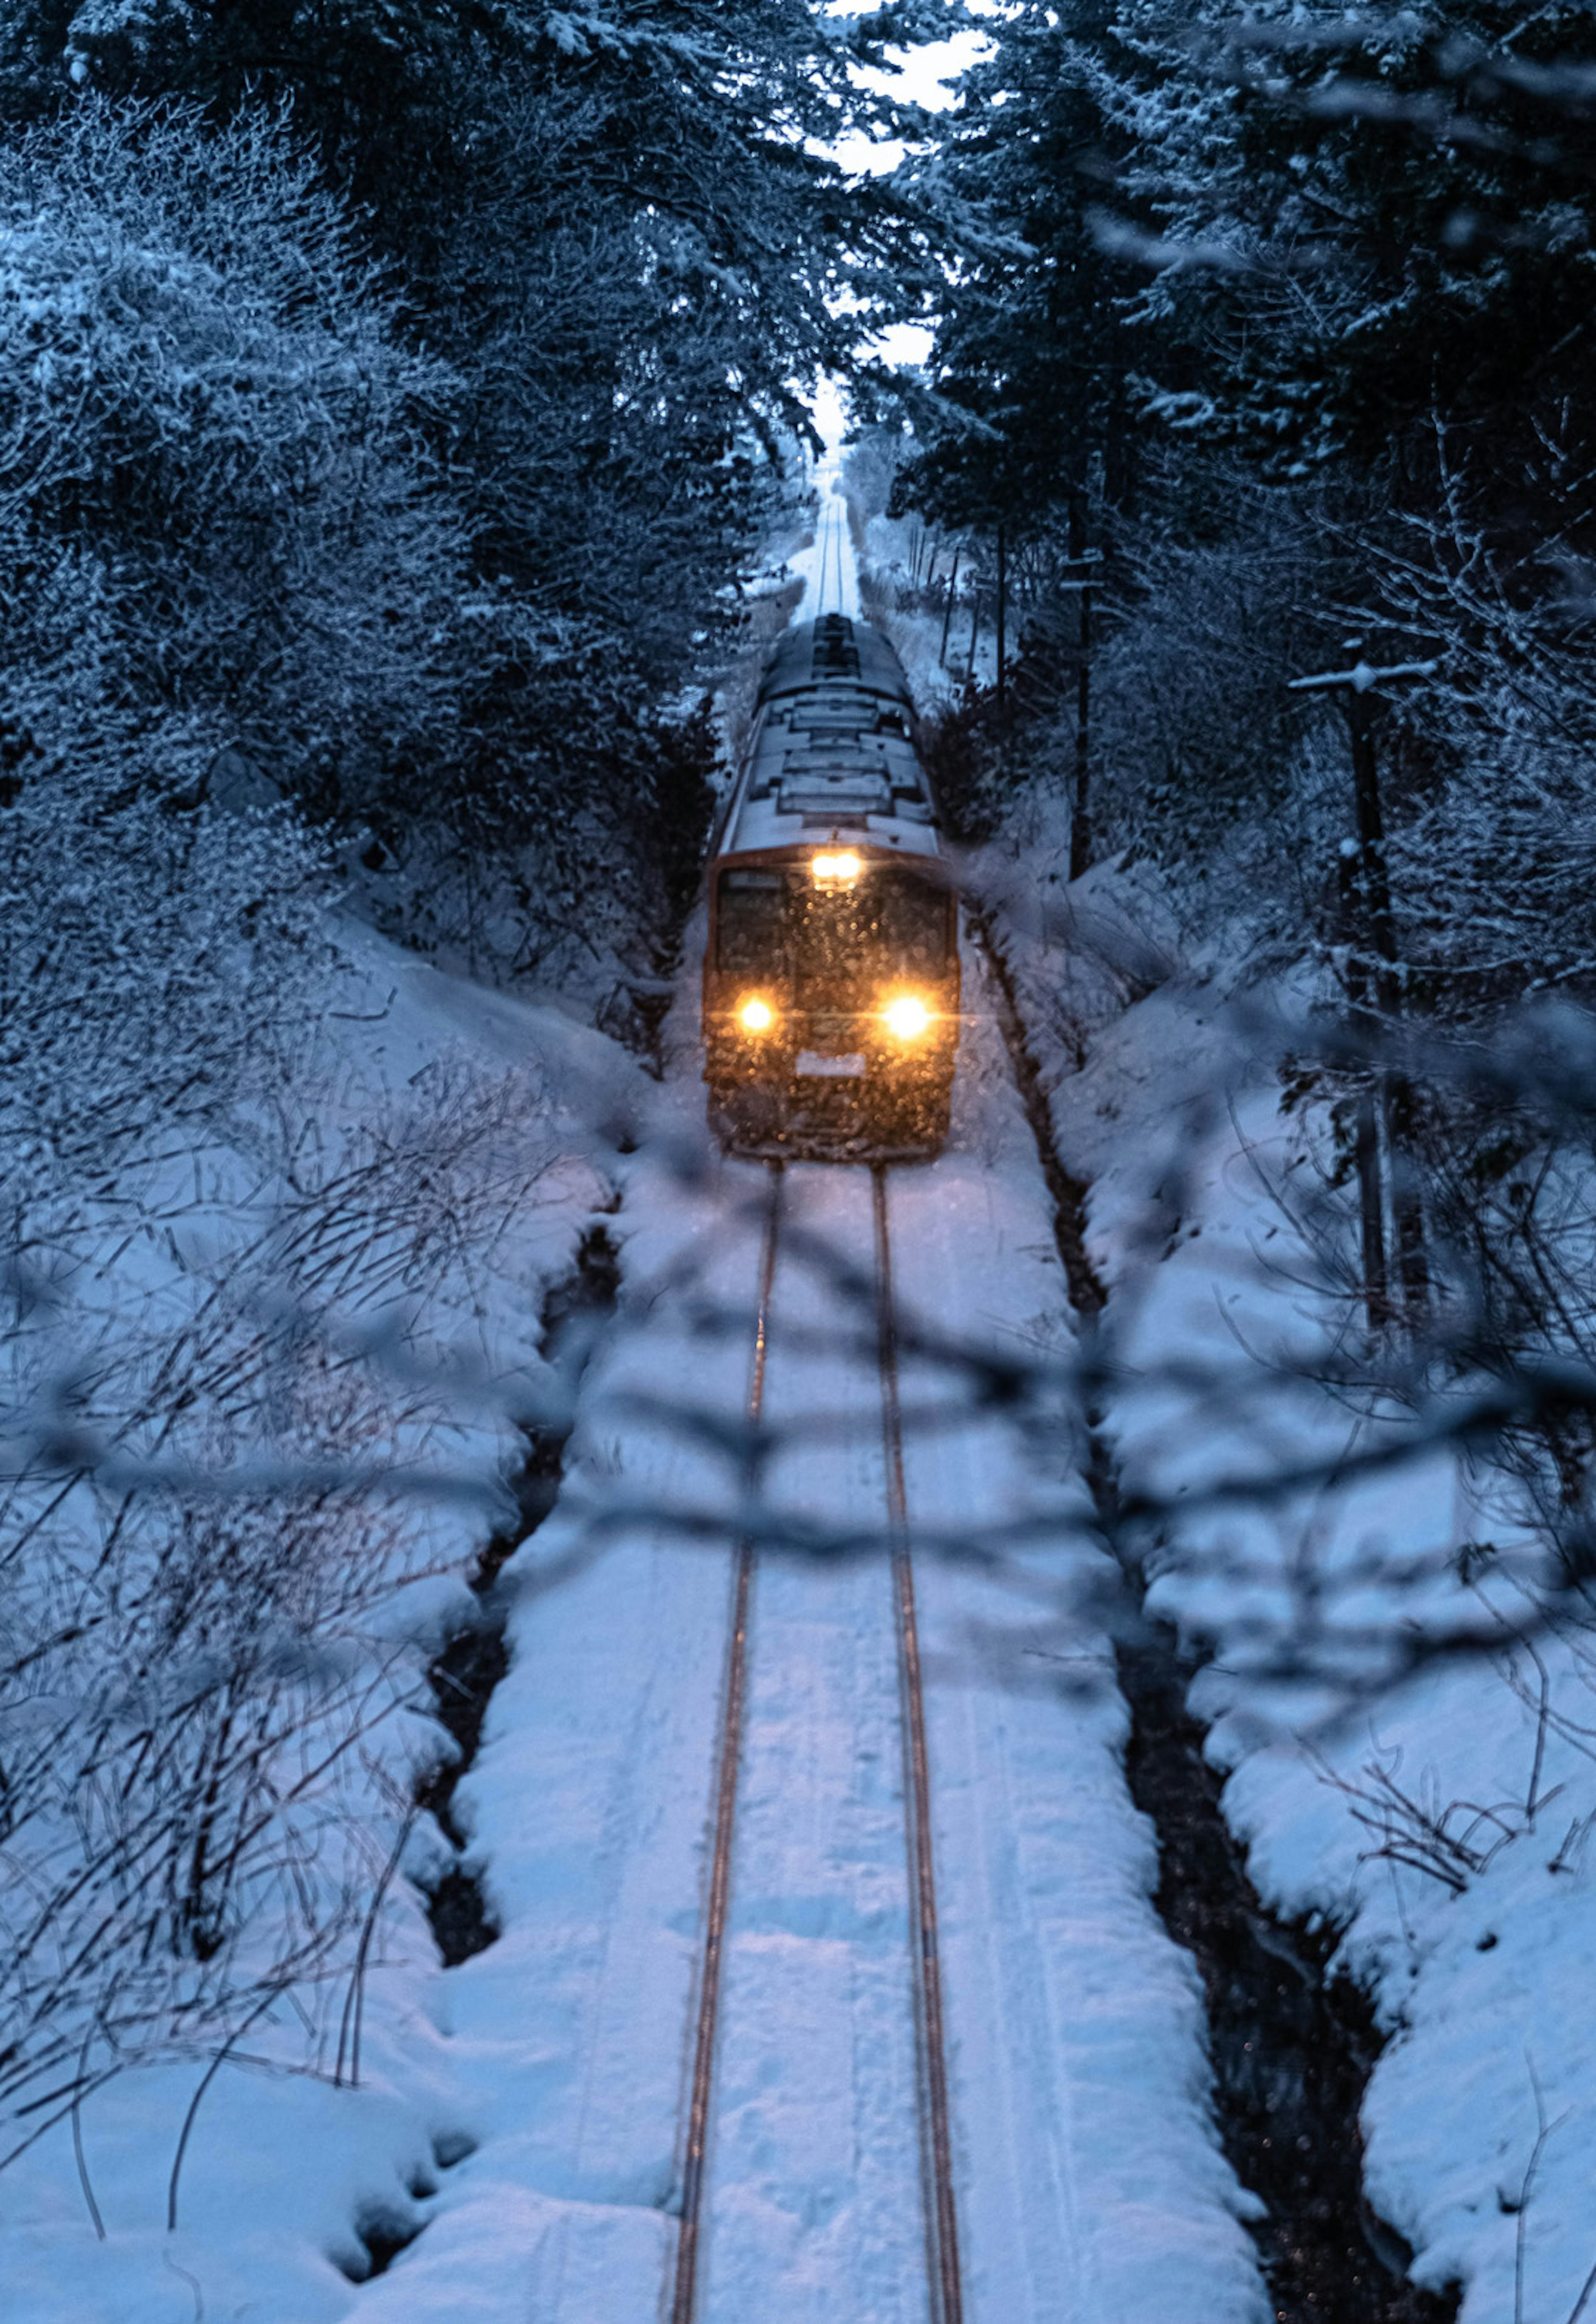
x=519, y=2118
x=303, y=1341
x=1076, y=2026
x=1433, y=1809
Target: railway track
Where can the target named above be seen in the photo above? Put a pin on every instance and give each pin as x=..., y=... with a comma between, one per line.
x=831, y=590
x=945, y=2304
x=728, y=1757
x=942, y=2231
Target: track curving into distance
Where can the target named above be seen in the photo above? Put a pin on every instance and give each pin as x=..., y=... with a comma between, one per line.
x=942, y=2238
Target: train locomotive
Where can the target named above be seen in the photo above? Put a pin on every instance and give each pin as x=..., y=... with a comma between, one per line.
x=831, y=973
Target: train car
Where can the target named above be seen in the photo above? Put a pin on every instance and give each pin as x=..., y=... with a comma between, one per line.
x=831, y=975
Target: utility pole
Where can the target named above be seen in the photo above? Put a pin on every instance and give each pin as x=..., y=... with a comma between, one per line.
x=1002, y=610
x=1083, y=559
x=1365, y=878
x=1376, y=1291
x=947, y=609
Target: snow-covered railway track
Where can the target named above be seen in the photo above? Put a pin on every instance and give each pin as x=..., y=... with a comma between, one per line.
x=947, y=2301
x=728, y=1756
x=832, y=578
x=942, y=2278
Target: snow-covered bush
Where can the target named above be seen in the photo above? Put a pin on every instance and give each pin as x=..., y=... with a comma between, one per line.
x=246, y=1443
x=228, y=1456
x=204, y=402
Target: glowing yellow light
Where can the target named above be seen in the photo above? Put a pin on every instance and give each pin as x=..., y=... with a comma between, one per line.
x=756, y=1016
x=836, y=867
x=907, y=1017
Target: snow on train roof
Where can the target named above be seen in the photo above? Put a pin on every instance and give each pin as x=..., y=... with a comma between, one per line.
x=831, y=756
x=833, y=647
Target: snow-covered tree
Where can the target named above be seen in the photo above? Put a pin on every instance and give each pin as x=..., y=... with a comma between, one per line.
x=205, y=405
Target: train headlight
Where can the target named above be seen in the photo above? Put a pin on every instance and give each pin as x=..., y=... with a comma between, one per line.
x=842, y=869
x=754, y=1015
x=906, y=1017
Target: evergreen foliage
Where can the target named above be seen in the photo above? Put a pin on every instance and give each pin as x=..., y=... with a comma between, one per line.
x=600, y=253
x=1032, y=352
x=1309, y=295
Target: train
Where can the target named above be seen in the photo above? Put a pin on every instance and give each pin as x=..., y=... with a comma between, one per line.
x=831, y=969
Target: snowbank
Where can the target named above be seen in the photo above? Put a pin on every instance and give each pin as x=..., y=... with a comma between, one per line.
x=1436, y=1811
x=398, y=1205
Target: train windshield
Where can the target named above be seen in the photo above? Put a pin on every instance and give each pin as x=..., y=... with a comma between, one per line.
x=753, y=922
x=906, y=924
x=779, y=924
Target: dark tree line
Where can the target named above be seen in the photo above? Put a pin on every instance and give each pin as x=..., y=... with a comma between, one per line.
x=1323, y=282
x=605, y=254
x=1266, y=358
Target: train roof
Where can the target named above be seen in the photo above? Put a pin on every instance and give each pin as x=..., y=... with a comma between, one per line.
x=832, y=755
x=834, y=651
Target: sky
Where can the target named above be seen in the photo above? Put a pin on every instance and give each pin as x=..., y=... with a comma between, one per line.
x=922, y=78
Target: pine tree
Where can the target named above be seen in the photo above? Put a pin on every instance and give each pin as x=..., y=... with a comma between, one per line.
x=1029, y=366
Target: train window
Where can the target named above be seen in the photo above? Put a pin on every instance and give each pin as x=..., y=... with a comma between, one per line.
x=889, y=925
x=752, y=921
x=911, y=923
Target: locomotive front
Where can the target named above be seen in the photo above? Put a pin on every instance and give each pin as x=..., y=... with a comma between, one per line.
x=831, y=987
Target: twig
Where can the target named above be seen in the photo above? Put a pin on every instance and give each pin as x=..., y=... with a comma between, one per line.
x=206, y=2079
x=354, y=1999
x=83, y=2178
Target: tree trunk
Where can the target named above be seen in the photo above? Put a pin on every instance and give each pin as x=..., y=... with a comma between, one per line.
x=1371, y=844
x=1377, y=1293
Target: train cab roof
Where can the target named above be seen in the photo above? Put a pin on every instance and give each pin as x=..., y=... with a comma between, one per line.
x=831, y=756
x=830, y=652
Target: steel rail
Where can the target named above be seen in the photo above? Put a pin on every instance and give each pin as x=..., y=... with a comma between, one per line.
x=830, y=553
x=942, y=2226
x=729, y=1756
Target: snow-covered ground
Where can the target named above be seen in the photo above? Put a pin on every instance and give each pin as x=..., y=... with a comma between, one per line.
x=521, y=2115
x=1075, y=2024
x=827, y=567
x=524, y=2111
x=417, y=1094
x=1440, y=1818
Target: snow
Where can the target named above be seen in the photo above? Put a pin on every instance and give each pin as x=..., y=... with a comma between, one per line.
x=1079, y=2024
x=524, y=2113
x=828, y=568
x=524, y=2110
x=282, y=2166
x=563, y=2044
x=1362, y=677
x=1347, y=1777
x=1075, y=2022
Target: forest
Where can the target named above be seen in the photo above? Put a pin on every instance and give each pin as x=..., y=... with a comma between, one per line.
x=409, y=441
